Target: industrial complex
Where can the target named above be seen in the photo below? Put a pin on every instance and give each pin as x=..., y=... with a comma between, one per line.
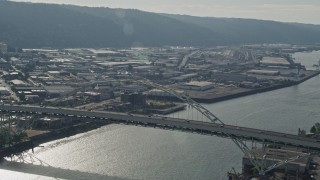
x=139, y=85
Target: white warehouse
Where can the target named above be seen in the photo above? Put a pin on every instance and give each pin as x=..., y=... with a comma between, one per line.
x=4, y=91
x=197, y=85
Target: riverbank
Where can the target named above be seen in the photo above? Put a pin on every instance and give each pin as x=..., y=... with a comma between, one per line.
x=240, y=92
x=52, y=135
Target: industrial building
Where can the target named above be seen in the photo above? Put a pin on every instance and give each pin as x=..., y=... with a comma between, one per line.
x=132, y=88
x=233, y=77
x=54, y=73
x=144, y=68
x=184, y=77
x=4, y=91
x=120, y=64
x=197, y=85
x=92, y=96
x=18, y=83
x=274, y=61
x=32, y=98
x=264, y=72
x=55, y=91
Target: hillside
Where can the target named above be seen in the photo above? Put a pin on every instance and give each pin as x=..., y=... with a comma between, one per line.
x=47, y=25
x=256, y=31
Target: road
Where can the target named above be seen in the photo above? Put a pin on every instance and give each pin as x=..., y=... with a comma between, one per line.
x=185, y=59
x=176, y=124
x=12, y=94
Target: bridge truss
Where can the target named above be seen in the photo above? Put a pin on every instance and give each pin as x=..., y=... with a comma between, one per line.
x=258, y=163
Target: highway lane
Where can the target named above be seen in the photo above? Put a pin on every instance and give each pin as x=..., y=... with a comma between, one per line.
x=175, y=123
x=12, y=93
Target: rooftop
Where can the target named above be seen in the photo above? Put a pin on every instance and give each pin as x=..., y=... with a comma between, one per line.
x=120, y=63
x=274, y=60
x=102, y=51
x=58, y=89
x=3, y=88
x=198, y=83
x=262, y=71
x=18, y=82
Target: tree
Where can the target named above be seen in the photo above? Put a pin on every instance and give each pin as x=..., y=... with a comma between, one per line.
x=4, y=136
x=313, y=129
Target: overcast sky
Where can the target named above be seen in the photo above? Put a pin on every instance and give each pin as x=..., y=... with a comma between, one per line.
x=306, y=11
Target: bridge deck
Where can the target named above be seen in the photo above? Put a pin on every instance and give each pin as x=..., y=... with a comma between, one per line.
x=175, y=123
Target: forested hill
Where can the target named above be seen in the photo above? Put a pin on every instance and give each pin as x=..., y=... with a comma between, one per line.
x=256, y=31
x=47, y=25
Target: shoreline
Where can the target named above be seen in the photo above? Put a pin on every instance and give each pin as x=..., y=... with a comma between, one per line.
x=84, y=127
x=254, y=91
x=37, y=140
x=67, y=132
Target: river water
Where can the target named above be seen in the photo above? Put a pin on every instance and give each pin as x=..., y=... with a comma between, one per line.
x=129, y=152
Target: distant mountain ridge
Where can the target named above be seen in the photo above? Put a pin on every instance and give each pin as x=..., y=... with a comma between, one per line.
x=256, y=31
x=31, y=25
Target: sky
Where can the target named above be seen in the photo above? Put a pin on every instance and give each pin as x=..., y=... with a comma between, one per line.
x=304, y=11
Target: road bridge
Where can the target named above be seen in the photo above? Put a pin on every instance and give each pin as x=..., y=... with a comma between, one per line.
x=206, y=128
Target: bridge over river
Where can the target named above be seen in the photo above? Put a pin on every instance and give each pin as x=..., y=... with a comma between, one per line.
x=205, y=128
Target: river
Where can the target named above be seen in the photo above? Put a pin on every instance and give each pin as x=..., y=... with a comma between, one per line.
x=129, y=152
